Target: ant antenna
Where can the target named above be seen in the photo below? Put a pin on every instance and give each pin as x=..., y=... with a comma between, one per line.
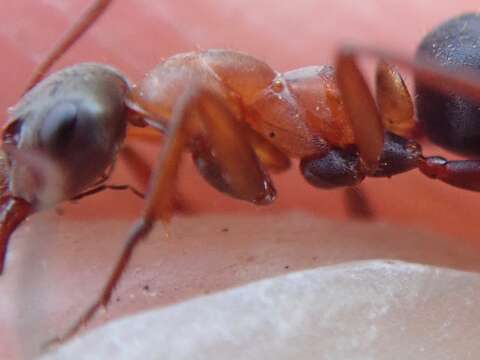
x=68, y=39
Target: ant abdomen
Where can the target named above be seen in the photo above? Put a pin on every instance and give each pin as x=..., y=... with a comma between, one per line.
x=450, y=120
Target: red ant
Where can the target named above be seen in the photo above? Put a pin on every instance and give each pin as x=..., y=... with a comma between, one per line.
x=234, y=114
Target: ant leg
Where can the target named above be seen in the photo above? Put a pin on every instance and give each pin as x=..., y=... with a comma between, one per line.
x=68, y=39
x=233, y=153
x=464, y=174
x=396, y=111
x=339, y=168
x=12, y=212
x=357, y=204
x=399, y=155
x=344, y=168
x=154, y=133
x=269, y=156
x=136, y=164
x=141, y=170
x=104, y=187
x=145, y=134
x=361, y=109
x=464, y=82
x=395, y=104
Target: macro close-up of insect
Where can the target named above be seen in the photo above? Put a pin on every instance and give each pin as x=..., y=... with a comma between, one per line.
x=241, y=121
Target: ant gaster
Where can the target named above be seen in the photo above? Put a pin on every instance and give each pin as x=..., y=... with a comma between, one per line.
x=234, y=114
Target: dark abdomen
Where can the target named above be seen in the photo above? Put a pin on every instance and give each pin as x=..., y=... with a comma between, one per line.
x=448, y=119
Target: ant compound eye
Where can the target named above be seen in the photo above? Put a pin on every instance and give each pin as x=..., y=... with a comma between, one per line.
x=59, y=127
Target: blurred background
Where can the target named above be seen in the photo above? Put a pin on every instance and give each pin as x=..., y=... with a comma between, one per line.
x=135, y=35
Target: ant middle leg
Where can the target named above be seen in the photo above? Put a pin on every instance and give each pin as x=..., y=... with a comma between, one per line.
x=141, y=170
x=267, y=154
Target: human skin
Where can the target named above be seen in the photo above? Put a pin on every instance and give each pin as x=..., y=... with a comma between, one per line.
x=282, y=35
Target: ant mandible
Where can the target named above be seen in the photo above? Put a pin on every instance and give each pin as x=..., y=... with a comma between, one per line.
x=234, y=114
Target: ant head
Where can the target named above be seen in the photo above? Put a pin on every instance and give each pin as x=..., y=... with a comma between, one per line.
x=65, y=133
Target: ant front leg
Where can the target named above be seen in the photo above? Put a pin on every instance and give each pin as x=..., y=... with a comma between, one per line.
x=198, y=108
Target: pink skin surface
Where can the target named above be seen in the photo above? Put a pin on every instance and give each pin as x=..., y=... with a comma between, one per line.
x=133, y=37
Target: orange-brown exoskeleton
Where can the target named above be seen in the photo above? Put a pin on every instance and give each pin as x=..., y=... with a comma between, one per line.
x=237, y=117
